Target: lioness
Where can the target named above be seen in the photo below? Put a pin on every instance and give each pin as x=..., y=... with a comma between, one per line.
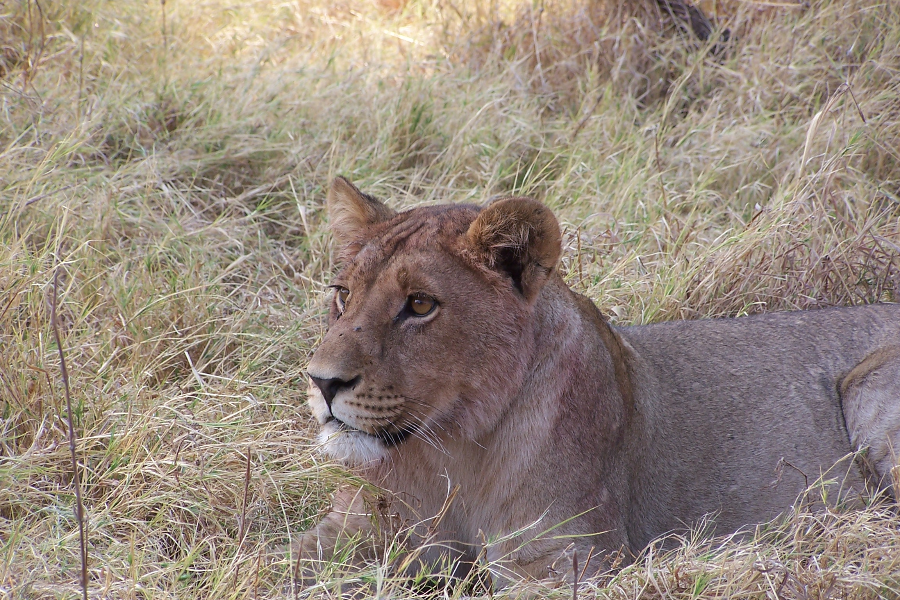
x=461, y=374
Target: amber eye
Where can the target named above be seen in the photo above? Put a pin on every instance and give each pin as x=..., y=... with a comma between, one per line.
x=342, y=295
x=421, y=304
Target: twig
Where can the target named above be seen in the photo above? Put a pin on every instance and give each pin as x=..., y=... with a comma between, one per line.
x=165, y=35
x=587, y=117
x=856, y=104
x=79, y=506
x=575, y=574
x=37, y=198
x=29, y=73
x=80, y=75
x=587, y=562
x=537, y=51
x=662, y=185
x=242, y=527
x=580, y=265
x=242, y=531
x=256, y=580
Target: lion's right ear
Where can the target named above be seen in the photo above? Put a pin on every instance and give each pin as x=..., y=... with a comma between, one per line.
x=351, y=212
x=519, y=237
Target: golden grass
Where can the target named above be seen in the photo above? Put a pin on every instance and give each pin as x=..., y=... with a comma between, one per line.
x=170, y=159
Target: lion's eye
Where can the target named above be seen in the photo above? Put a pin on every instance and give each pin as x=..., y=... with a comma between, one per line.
x=342, y=295
x=421, y=304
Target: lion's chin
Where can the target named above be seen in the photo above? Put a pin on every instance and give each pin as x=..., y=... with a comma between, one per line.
x=352, y=448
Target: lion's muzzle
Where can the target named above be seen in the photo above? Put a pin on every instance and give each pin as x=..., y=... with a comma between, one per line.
x=330, y=387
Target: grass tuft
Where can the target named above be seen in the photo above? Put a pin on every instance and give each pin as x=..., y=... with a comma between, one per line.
x=173, y=158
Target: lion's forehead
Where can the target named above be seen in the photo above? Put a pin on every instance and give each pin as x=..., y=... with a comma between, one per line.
x=422, y=228
x=410, y=237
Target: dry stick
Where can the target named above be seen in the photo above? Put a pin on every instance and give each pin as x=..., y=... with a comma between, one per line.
x=242, y=528
x=80, y=76
x=28, y=74
x=295, y=576
x=586, y=563
x=856, y=104
x=583, y=121
x=580, y=266
x=79, y=507
x=165, y=47
x=662, y=185
x=537, y=51
x=256, y=579
x=6, y=308
x=575, y=573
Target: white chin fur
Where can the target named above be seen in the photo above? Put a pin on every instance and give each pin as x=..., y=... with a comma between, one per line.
x=352, y=448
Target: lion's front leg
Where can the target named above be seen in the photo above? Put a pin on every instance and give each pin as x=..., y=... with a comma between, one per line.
x=551, y=561
x=511, y=561
x=348, y=534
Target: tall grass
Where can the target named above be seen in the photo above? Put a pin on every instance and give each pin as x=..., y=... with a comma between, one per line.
x=175, y=176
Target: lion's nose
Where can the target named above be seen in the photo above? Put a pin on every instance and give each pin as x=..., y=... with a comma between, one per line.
x=331, y=387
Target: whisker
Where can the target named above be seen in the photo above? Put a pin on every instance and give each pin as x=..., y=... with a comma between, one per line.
x=424, y=432
x=440, y=413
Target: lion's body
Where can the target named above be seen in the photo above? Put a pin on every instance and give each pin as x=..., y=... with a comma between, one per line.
x=513, y=407
x=745, y=413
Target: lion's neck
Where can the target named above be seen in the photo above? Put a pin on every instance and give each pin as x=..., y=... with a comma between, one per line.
x=503, y=474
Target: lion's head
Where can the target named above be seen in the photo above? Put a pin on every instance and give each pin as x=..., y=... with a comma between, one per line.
x=429, y=331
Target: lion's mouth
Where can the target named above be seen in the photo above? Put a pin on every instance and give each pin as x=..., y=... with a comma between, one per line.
x=387, y=437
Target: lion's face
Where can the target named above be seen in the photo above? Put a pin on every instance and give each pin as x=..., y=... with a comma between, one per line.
x=422, y=321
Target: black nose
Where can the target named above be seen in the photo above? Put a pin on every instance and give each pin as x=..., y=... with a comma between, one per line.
x=330, y=387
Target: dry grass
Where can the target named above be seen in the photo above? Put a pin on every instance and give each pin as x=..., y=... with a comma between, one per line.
x=170, y=158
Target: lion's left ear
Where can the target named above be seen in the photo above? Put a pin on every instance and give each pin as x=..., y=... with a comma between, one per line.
x=519, y=237
x=351, y=212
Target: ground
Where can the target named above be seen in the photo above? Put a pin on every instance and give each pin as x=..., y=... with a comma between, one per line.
x=163, y=169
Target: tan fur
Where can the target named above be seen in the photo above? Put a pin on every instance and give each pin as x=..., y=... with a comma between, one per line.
x=352, y=211
x=533, y=427
x=871, y=410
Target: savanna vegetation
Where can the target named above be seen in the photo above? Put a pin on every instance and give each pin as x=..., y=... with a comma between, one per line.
x=162, y=176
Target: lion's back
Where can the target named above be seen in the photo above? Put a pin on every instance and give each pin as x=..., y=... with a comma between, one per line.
x=744, y=413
